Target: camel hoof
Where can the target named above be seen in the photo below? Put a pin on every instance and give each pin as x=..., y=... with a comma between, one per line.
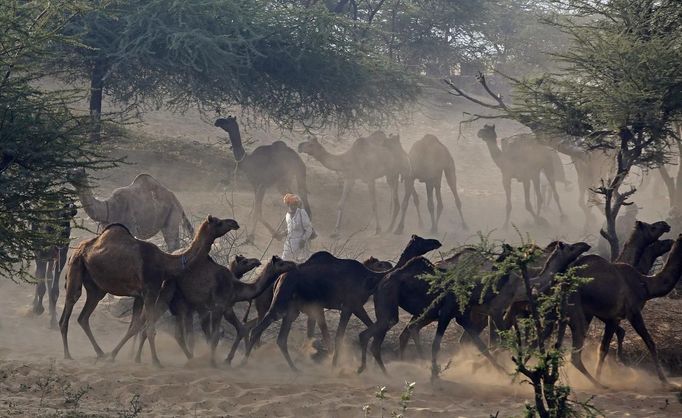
x=361, y=369
x=158, y=364
x=68, y=357
x=38, y=310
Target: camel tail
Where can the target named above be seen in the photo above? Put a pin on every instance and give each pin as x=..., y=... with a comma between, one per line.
x=284, y=292
x=451, y=178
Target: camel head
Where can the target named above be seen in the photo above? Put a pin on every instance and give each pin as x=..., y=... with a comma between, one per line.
x=375, y=264
x=658, y=248
x=215, y=228
x=419, y=246
x=568, y=253
x=241, y=265
x=487, y=133
x=279, y=266
x=78, y=177
x=650, y=232
x=311, y=147
x=229, y=123
x=392, y=141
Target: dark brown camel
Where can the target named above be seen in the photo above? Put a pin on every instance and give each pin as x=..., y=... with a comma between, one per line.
x=268, y=165
x=617, y=291
x=327, y=282
x=145, y=206
x=652, y=253
x=212, y=291
x=50, y=263
x=429, y=161
x=404, y=288
x=116, y=262
x=367, y=159
x=524, y=159
x=239, y=266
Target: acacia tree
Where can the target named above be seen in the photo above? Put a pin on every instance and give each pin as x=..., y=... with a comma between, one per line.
x=619, y=90
x=290, y=63
x=40, y=139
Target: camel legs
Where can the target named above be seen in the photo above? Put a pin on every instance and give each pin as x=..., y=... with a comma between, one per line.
x=538, y=194
x=171, y=233
x=340, y=332
x=409, y=191
x=316, y=315
x=430, y=206
x=393, y=183
x=506, y=183
x=526, y=197
x=283, y=336
x=638, y=324
x=93, y=296
x=59, y=264
x=242, y=333
x=439, y=205
x=579, y=325
x=74, y=287
x=609, y=330
x=347, y=187
x=40, y=274
x=371, y=185
x=552, y=186
x=412, y=330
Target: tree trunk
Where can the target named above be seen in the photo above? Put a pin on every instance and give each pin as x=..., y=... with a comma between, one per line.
x=96, y=86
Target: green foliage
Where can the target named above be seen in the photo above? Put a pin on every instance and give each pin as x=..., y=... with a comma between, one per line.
x=403, y=402
x=291, y=64
x=41, y=140
x=535, y=342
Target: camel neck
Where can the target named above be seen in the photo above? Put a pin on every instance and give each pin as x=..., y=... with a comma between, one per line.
x=236, y=141
x=664, y=282
x=495, y=151
x=248, y=291
x=96, y=209
x=631, y=253
x=197, y=250
x=328, y=160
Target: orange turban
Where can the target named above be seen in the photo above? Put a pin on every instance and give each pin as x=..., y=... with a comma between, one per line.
x=291, y=199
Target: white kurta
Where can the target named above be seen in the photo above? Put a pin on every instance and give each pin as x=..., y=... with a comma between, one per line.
x=299, y=230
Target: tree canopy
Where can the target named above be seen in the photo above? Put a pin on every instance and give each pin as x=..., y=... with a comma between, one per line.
x=289, y=63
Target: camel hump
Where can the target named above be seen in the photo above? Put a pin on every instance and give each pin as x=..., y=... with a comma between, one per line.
x=280, y=144
x=145, y=178
x=116, y=225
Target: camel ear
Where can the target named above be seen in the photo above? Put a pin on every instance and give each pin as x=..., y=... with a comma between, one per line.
x=560, y=245
x=211, y=219
x=274, y=259
x=639, y=224
x=414, y=237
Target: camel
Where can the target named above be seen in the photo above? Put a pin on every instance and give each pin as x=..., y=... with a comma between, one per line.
x=213, y=290
x=367, y=159
x=324, y=281
x=405, y=288
x=522, y=158
x=652, y=253
x=268, y=165
x=50, y=262
x=429, y=161
x=617, y=291
x=239, y=266
x=116, y=262
x=145, y=207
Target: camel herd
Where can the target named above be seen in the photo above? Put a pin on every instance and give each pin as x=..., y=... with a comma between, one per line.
x=188, y=281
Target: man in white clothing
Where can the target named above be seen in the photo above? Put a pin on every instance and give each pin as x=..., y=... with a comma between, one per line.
x=299, y=230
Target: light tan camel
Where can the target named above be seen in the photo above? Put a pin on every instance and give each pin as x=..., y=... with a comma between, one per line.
x=429, y=161
x=523, y=158
x=268, y=165
x=145, y=207
x=116, y=262
x=367, y=159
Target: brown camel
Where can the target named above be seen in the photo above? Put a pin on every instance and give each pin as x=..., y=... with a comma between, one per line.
x=367, y=159
x=212, y=290
x=268, y=165
x=145, y=207
x=327, y=282
x=618, y=291
x=652, y=253
x=429, y=161
x=50, y=262
x=116, y=262
x=239, y=266
x=523, y=159
x=404, y=288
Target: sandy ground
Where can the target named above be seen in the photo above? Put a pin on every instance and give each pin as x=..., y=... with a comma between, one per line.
x=35, y=381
